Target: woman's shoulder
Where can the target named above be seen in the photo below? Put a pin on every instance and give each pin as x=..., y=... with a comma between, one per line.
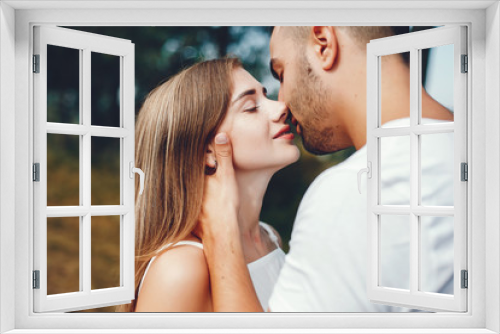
x=185, y=257
x=177, y=281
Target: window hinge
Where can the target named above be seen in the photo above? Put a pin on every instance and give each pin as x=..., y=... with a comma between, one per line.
x=464, y=171
x=36, y=172
x=465, y=64
x=36, y=63
x=36, y=279
x=465, y=279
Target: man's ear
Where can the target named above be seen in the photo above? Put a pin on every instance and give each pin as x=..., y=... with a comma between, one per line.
x=325, y=46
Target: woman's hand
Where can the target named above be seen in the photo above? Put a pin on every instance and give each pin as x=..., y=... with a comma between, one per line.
x=231, y=286
x=219, y=213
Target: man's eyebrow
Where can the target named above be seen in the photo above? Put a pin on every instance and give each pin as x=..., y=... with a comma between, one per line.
x=251, y=91
x=271, y=66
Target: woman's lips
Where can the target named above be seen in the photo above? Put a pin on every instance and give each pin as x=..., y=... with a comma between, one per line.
x=284, y=133
x=288, y=136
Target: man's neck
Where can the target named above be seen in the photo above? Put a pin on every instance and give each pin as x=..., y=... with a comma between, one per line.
x=395, y=104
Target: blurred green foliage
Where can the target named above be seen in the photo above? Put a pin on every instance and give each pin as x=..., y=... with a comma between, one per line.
x=160, y=52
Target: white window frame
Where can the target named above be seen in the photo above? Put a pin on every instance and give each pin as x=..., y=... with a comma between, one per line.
x=414, y=43
x=483, y=21
x=85, y=43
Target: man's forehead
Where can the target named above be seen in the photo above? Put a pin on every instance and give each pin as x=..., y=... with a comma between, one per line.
x=277, y=41
x=277, y=30
x=277, y=34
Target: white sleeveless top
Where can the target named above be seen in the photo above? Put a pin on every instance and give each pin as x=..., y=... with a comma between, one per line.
x=264, y=271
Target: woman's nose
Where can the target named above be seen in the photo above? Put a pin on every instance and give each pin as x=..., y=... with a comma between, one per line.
x=281, y=112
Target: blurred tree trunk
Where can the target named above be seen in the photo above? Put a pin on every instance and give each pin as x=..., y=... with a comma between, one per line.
x=223, y=39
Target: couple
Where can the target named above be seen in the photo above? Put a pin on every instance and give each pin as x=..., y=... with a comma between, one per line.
x=209, y=141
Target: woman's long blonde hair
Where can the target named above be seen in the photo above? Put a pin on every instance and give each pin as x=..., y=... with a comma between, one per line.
x=176, y=123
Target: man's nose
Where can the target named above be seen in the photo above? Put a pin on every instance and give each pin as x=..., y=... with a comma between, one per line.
x=281, y=95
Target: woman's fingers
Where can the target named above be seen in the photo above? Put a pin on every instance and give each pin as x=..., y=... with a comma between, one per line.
x=223, y=153
x=220, y=199
x=226, y=182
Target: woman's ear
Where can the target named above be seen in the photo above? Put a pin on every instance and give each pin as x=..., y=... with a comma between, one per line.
x=210, y=157
x=210, y=162
x=325, y=44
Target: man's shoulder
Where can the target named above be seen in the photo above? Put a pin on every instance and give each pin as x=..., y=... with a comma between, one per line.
x=341, y=174
x=333, y=196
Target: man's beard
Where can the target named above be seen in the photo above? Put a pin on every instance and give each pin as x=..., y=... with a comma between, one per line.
x=310, y=99
x=317, y=144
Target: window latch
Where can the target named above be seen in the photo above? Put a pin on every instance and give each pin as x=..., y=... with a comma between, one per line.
x=133, y=170
x=368, y=171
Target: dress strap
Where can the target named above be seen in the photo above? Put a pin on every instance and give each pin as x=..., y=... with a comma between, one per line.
x=188, y=242
x=180, y=243
x=269, y=231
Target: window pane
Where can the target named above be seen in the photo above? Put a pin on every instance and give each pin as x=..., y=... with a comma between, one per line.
x=394, y=103
x=437, y=160
x=105, y=171
x=395, y=251
x=63, y=255
x=63, y=170
x=63, y=85
x=436, y=257
x=395, y=170
x=105, y=252
x=105, y=89
x=437, y=82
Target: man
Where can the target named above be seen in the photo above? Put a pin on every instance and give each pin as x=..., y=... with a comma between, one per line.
x=322, y=72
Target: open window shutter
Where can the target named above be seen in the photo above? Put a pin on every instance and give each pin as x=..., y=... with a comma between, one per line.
x=82, y=216
x=383, y=219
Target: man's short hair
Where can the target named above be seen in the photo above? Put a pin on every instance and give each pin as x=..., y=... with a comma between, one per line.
x=362, y=34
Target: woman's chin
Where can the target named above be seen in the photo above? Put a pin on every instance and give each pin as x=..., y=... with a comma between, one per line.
x=292, y=159
x=295, y=156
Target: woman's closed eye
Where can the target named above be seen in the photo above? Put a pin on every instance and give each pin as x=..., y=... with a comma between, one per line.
x=252, y=108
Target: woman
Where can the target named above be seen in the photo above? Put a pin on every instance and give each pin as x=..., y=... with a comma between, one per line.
x=174, y=136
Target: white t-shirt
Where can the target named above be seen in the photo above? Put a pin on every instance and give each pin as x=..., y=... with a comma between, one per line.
x=325, y=270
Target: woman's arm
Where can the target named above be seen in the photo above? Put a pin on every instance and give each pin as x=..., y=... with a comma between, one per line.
x=232, y=287
x=177, y=281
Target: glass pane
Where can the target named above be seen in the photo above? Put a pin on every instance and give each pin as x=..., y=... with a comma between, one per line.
x=437, y=169
x=63, y=255
x=436, y=254
x=63, y=170
x=63, y=85
x=395, y=170
x=395, y=251
x=394, y=104
x=105, y=89
x=105, y=171
x=105, y=252
x=437, y=82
